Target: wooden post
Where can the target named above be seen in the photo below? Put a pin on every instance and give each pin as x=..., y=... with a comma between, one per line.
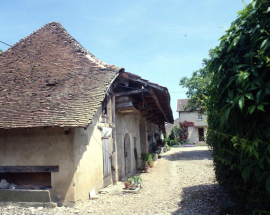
x=114, y=162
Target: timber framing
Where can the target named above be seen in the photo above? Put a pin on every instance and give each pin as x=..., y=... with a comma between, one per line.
x=29, y=169
x=132, y=92
x=154, y=116
x=151, y=91
x=153, y=113
x=152, y=100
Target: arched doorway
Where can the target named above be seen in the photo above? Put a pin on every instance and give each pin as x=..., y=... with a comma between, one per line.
x=127, y=154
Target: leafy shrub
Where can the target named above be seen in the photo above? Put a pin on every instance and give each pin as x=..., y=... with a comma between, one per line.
x=166, y=148
x=171, y=142
x=146, y=157
x=239, y=110
x=154, y=156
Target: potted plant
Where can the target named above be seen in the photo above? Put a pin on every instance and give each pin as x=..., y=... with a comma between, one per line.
x=146, y=168
x=151, y=163
x=154, y=156
x=132, y=185
x=146, y=158
x=127, y=184
x=137, y=180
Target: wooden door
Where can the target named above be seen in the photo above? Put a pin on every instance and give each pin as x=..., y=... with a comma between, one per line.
x=106, y=161
x=201, y=134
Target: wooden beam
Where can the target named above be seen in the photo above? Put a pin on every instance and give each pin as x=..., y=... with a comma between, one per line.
x=147, y=104
x=150, y=106
x=29, y=168
x=151, y=113
x=157, y=116
x=114, y=174
x=157, y=121
x=132, y=92
x=153, y=94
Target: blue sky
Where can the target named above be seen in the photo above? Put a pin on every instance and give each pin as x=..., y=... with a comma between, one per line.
x=159, y=40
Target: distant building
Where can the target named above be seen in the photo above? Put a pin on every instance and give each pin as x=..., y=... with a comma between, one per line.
x=196, y=133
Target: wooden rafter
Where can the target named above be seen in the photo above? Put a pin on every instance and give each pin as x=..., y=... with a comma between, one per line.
x=157, y=116
x=153, y=94
x=147, y=114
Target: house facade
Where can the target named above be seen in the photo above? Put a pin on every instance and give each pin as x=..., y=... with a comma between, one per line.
x=197, y=133
x=69, y=123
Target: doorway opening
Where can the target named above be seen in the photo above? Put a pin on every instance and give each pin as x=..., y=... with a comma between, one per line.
x=201, y=134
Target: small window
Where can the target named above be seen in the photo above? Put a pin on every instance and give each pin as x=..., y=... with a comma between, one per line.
x=200, y=116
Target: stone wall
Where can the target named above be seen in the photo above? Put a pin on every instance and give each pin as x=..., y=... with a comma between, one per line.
x=42, y=147
x=88, y=159
x=127, y=125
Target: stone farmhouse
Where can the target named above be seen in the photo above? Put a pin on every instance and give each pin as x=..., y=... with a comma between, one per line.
x=69, y=123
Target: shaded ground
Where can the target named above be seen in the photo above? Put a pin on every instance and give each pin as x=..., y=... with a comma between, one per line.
x=182, y=182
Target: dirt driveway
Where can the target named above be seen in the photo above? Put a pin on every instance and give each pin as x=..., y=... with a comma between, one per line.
x=182, y=182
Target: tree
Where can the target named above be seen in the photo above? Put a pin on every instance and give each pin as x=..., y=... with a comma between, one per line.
x=197, y=87
x=238, y=108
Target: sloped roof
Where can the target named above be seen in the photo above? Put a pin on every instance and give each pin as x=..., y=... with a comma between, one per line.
x=49, y=79
x=161, y=93
x=180, y=104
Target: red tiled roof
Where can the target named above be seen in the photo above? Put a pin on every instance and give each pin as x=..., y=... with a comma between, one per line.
x=49, y=79
x=181, y=103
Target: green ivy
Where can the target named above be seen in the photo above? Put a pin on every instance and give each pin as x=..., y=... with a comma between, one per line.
x=239, y=110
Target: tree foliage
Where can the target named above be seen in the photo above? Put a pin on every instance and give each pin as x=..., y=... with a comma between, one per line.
x=239, y=110
x=197, y=87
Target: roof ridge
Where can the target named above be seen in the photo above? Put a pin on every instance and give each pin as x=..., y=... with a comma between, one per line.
x=75, y=43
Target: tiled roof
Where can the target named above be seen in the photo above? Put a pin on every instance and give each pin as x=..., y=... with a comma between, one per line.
x=181, y=103
x=49, y=79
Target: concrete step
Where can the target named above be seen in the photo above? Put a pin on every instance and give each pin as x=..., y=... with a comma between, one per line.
x=201, y=143
x=18, y=195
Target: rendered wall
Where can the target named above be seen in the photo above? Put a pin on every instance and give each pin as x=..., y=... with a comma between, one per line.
x=193, y=134
x=198, y=123
x=42, y=147
x=143, y=135
x=127, y=124
x=190, y=117
x=88, y=159
x=193, y=117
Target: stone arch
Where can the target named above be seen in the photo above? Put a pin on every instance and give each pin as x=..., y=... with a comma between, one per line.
x=143, y=135
x=127, y=154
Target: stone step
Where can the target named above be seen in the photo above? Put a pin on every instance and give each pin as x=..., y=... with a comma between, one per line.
x=18, y=195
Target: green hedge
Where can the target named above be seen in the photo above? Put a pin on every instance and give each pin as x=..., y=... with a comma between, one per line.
x=239, y=108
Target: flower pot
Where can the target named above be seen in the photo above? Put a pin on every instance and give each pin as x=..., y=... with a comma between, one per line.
x=138, y=185
x=127, y=185
x=133, y=187
x=146, y=169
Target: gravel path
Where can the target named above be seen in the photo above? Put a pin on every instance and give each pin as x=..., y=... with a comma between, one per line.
x=182, y=182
